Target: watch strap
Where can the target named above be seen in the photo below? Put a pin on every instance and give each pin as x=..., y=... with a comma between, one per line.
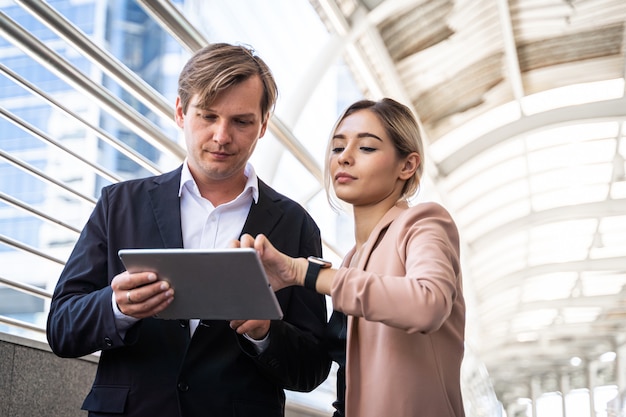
x=312, y=272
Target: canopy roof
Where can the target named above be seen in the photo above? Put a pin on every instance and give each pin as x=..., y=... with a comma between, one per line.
x=522, y=105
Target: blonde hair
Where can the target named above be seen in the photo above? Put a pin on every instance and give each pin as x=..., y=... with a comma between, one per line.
x=402, y=128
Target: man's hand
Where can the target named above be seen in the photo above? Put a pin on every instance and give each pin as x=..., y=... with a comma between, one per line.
x=256, y=329
x=140, y=294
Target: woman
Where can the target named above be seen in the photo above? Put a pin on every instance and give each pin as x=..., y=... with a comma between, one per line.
x=401, y=284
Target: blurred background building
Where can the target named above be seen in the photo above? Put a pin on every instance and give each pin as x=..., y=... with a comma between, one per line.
x=522, y=104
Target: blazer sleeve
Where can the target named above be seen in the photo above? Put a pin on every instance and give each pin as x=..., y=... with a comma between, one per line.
x=413, y=277
x=81, y=319
x=296, y=357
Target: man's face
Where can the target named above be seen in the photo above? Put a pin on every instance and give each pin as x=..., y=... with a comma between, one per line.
x=221, y=138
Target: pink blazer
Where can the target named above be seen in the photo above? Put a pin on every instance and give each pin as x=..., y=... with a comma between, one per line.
x=406, y=317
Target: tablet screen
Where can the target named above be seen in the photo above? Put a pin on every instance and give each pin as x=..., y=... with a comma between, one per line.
x=212, y=284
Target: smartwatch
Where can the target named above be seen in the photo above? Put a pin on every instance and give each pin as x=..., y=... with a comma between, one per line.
x=312, y=272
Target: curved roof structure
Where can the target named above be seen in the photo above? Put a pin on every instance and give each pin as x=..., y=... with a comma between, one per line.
x=522, y=105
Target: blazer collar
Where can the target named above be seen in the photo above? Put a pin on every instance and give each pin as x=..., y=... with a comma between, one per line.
x=166, y=207
x=263, y=216
x=375, y=237
x=265, y=213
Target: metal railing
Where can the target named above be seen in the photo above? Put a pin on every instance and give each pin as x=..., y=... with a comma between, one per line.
x=173, y=22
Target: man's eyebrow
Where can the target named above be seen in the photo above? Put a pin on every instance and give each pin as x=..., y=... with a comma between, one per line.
x=245, y=115
x=199, y=107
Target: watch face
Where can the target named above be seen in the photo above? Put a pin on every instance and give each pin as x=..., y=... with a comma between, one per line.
x=324, y=263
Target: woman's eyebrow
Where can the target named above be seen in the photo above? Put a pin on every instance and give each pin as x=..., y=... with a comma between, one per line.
x=368, y=135
x=359, y=135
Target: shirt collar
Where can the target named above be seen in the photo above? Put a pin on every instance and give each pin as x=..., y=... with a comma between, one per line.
x=252, y=182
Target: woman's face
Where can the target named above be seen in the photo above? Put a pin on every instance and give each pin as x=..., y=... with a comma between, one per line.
x=364, y=165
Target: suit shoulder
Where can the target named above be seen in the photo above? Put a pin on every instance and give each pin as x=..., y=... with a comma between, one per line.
x=433, y=214
x=428, y=209
x=278, y=198
x=137, y=184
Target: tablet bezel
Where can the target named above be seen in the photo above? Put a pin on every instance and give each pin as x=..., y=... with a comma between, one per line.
x=230, y=284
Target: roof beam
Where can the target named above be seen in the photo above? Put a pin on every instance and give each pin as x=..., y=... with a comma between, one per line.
x=510, y=49
x=613, y=110
x=514, y=279
x=604, y=208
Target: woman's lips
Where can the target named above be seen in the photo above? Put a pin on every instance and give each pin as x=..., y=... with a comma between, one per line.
x=343, y=178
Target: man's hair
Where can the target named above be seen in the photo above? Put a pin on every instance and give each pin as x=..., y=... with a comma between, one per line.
x=219, y=66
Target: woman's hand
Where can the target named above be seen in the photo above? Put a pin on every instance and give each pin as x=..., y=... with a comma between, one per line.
x=282, y=270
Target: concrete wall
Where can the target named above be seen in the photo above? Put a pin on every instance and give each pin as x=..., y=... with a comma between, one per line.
x=35, y=382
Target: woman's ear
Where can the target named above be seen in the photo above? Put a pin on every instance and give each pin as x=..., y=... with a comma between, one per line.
x=411, y=163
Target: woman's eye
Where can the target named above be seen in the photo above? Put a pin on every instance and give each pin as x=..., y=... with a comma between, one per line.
x=367, y=149
x=337, y=150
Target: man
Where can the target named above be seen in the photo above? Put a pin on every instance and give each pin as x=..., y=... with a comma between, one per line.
x=154, y=367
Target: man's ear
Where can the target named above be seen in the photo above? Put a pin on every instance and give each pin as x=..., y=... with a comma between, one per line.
x=411, y=163
x=179, y=115
x=264, y=125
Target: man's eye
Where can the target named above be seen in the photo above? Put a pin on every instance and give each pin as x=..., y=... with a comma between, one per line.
x=208, y=117
x=243, y=122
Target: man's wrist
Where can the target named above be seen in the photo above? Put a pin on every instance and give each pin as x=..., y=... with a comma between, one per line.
x=259, y=345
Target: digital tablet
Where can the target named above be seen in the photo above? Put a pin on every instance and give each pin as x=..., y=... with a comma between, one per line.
x=212, y=284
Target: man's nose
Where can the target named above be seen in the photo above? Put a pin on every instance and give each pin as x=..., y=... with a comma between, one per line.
x=221, y=133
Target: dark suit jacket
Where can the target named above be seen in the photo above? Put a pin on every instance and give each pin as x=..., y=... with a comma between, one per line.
x=157, y=369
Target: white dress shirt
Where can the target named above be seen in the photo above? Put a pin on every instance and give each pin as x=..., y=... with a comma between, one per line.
x=206, y=227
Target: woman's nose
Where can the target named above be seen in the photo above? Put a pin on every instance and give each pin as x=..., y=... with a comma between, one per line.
x=344, y=157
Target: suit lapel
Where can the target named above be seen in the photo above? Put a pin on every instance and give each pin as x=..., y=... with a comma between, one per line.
x=166, y=208
x=264, y=214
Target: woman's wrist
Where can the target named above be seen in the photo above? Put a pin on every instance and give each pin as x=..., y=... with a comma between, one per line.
x=315, y=265
x=298, y=267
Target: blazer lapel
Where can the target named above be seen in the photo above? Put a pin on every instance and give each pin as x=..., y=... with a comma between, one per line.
x=377, y=234
x=264, y=214
x=375, y=237
x=166, y=208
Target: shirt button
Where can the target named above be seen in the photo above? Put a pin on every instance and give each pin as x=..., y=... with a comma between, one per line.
x=183, y=386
